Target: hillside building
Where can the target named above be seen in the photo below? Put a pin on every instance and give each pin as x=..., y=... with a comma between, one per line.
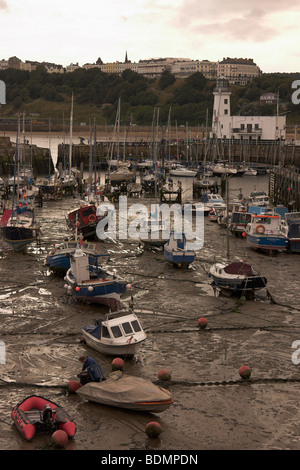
x=238, y=71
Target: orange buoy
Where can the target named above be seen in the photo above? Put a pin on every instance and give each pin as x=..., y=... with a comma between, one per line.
x=117, y=364
x=153, y=429
x=245, y=372
x=164, y=374
x=202, y=322
x=60, y=438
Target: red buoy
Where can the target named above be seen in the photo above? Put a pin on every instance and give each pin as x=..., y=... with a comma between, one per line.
x=164, y=374
x=244, y=234
x=117, y=364
x=245, y=372
x=153, y=429
x=77, y=289
x=59, y=438
x=73, y=385
x=202, y=322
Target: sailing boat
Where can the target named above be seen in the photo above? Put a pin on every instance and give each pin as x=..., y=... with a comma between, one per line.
x=18, y=225
x=237, y=277
x=122, y=173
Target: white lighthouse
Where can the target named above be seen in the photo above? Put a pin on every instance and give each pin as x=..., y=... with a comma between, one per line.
x=221, y=108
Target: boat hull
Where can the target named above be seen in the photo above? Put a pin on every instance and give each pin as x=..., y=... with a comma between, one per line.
x=236, y=285
x=178, y=257
x=294, y=245
x=18, y=238
x=97, y=291
x=126, y=349
x=274, y=243
x=190, y=174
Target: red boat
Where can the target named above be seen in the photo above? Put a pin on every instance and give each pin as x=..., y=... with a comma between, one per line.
x=85, y=220
x=38, y=414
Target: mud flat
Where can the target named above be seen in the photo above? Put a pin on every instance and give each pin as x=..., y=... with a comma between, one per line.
x=214, y=408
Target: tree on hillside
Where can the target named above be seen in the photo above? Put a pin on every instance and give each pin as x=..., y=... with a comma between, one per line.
x=166, y=79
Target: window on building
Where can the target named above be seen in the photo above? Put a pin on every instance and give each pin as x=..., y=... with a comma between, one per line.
x=225, y=111
x=225, y=101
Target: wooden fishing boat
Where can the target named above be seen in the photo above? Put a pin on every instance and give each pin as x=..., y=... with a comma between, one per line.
x=87, y=281
x=265, y=232
x=84, y=219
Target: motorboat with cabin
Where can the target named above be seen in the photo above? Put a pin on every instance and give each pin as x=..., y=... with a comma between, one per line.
x=84, y=219
x=87, y=281
x=236, y=277
x=119, y=334
x=265, y=232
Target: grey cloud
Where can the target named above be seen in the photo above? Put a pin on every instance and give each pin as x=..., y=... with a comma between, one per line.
x=232, y=19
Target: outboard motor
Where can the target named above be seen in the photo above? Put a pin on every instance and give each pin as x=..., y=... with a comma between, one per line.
x=47, y=414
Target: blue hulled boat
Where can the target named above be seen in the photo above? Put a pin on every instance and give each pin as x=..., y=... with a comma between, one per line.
x=291, y=227
x=88, y=282
x=58, y=259
x=18, y=227
x=176, y=251
x=265, y=232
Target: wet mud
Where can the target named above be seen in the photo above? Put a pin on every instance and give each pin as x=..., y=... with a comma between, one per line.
x=213, y=407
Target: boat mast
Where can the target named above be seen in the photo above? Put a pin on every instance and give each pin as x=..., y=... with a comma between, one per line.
x=71, y=136
x=227, y=214
x=16, y=163
x=118, y=129
x=90, y=163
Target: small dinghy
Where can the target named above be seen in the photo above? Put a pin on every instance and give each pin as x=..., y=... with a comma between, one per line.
x=38, y=414
x=126, y=391
x=120, y=334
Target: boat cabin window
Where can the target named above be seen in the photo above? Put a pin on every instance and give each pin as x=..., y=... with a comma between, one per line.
x=116, y=331
x=87, y=212
x=127, y=328
x=136, y=326
x=105, y=332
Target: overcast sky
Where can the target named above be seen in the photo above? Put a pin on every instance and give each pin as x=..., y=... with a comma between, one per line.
x=71, y=31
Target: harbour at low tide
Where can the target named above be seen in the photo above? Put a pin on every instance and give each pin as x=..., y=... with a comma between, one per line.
x=213, y=407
